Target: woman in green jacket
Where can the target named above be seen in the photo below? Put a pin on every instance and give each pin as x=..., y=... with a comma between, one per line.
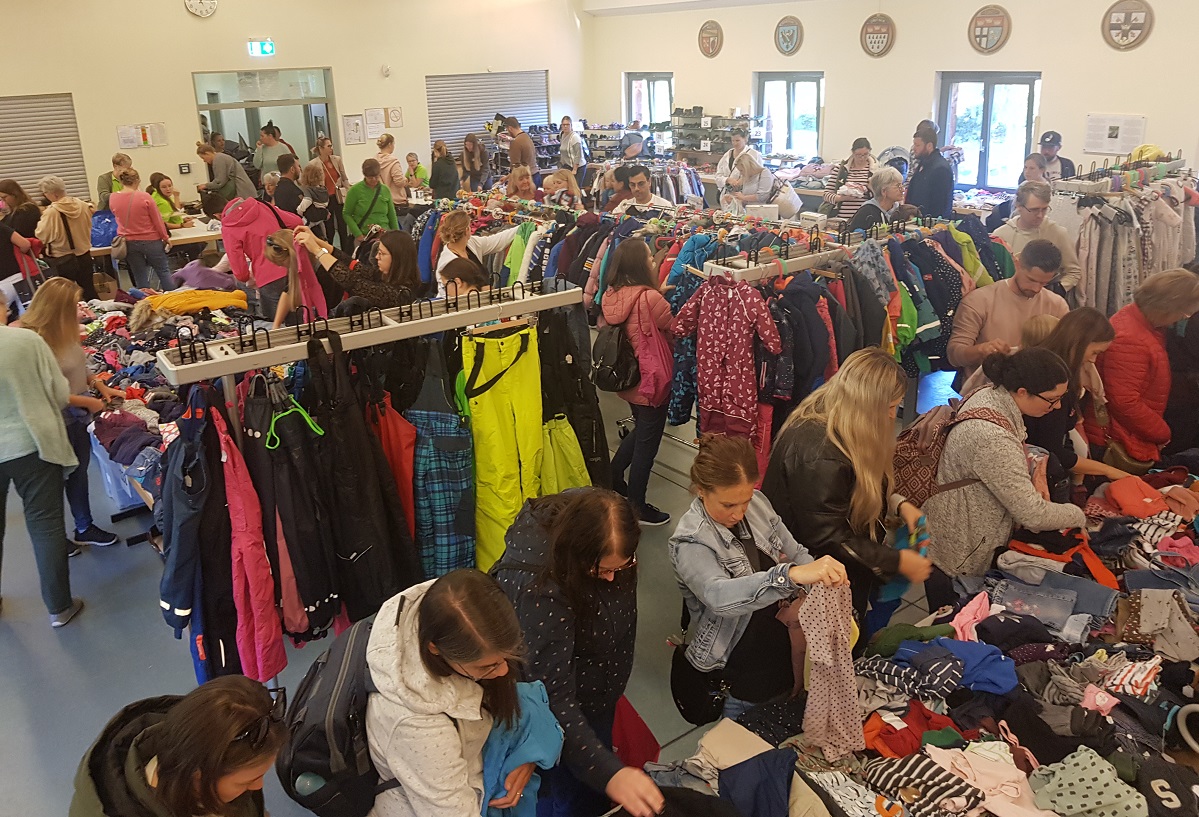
x=368, y=203
x=162, y=190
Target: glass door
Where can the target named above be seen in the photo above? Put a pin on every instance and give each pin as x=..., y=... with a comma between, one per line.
x=990, y=117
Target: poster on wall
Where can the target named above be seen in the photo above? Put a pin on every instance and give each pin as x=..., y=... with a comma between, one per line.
x=788, y=35
x=1114, y=134
x=149, y=135
x=395, y=117
x=353, y=129
x=878, y=35
x=990, y=29
x=376, y=122
x=711, y=38
x=1127, y=24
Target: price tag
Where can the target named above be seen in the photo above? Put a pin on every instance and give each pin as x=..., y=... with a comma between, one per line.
x=757, y=132
x=705, y=121
x=705, y=144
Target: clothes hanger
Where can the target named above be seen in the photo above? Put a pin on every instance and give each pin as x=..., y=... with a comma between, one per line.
x=272, y=439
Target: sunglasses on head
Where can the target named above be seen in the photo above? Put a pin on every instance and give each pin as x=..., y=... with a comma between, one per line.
x=258, y=730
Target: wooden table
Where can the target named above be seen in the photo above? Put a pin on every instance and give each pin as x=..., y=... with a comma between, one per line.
x=198, y=234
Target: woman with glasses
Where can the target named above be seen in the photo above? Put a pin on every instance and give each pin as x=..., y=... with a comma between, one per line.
x=885, y=204
x=736, y=564
x=570, y=572
x=984, y=465
x=442, y=655
x=176, y=756
x=1032, y=222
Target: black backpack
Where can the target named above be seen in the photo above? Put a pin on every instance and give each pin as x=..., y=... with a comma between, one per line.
x=614, y=364
x=326, y=726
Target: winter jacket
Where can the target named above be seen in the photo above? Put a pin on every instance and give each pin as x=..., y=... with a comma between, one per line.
x=426, y=731
x=360, y=214
x=931, y=186
x=1017, y=239
x=811, y=482
x=52, y=231
x=968, y=524
x=245, y=224
x=111, y=779
x=585, y=665
x=726, y=315
x=719, y=586
x=535, y=738
x=391, y=173
x=226, y=169
x=443, y=178
x=259, y=632
x=1135, y=371
x=652, y=315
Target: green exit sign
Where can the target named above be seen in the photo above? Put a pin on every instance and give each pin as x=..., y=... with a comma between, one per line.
x=262, y=48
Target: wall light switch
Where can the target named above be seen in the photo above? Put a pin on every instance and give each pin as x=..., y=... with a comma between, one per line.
x=184, y=169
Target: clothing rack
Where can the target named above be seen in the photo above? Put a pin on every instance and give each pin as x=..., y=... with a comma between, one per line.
x=751, y=270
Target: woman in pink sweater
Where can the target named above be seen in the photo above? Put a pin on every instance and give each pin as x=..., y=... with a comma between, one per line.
x=144, y=231
x=632, y=299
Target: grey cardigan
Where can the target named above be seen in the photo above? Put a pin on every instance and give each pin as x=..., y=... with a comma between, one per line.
x=225, y=167
x=969, y=524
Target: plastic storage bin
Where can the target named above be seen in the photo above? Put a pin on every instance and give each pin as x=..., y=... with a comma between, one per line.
x=116, y=484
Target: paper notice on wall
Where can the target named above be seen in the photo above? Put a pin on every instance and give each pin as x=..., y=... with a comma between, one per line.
x=1114, y=134
x=156, y=134
x=395, y=117
x=129, y=137
x=376, y=122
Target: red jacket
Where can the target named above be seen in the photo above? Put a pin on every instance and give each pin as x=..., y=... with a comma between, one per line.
x=651, y=311
x=1136, y=375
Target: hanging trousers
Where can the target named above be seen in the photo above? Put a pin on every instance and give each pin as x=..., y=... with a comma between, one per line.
x=562, y=464
x=503, y=384
x=443, y=478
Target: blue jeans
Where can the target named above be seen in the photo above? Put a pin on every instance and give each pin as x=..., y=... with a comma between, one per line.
x=581, y=174
x=144, y=256
x=76, y=484
x=39, y=484
x=1049, y=605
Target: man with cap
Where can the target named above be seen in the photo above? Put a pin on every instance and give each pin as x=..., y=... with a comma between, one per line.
x=1057, y=167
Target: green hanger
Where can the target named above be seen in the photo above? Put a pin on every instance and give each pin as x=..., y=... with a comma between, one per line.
x=272, y=439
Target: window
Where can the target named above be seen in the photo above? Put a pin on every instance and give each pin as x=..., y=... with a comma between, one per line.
x=990, y=117
x=791, y=104
x=297, y=101
x=649, y=97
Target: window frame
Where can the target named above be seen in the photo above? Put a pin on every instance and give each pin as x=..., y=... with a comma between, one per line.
x=791, y=78
x=989, y=79
x=649, y=77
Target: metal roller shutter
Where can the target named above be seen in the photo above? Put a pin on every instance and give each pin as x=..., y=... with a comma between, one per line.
x=463, y=103
x=39, y=137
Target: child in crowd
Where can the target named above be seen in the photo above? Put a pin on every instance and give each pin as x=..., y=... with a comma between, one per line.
x=562, y=189
x=209, y=271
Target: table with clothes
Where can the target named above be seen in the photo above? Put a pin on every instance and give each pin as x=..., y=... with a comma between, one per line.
x=1061, y=682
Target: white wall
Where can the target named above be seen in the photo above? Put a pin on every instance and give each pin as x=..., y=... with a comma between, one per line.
x=132, y=61
x=883, y=99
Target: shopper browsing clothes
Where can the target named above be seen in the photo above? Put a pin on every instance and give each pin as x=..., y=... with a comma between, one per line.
x=368, y=205
x=1056, y=166
x=641, y=193
x=391, y=172
x=35, y=454
x=848, y=186
x=736, y=562
x=1032, y=222
x=830, y=468
x=442, y=656
x=207, y=752
x=476, y=164
x=632, y=300
x=53, y=315
x=570, y=570
x=392, y=280
x=65, y=231
x=930, y=186
x=108, y=183
x=145, y=233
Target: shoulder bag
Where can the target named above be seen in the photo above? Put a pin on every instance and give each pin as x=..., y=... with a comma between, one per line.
x=120, y=248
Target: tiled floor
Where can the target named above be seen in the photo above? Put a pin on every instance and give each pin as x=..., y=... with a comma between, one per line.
x=59, y=687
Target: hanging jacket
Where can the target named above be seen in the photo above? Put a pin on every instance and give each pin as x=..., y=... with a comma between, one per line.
x=725, y=315
x=259, y=633
x=639, y=309
x=1135, y=371
x=585, y=666
x=811, y=355
x=245, y=225
x=426, y=731
x=111, y=778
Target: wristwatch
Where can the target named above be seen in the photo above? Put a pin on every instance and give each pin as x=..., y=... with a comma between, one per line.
x=323, y=251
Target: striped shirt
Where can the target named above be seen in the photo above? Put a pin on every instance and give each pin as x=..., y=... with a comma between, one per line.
x=848, y=208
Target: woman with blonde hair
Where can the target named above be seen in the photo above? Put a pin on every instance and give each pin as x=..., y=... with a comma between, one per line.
x=314, y=207
x=443, y=177
x=53, y=314
x=758, y=186
x=562, y=188
x=521, y=186
x=476, y=164
x=457, y=242
x=391, y=172
x=830, y=472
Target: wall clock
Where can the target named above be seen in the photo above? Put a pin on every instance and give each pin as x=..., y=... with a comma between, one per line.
x=201, y=8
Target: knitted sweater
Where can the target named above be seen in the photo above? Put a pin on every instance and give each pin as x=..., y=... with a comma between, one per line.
x=968, y=524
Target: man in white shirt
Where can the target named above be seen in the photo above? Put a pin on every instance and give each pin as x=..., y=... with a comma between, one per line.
x=724, y=168
x=570, y=151
x=643, y=198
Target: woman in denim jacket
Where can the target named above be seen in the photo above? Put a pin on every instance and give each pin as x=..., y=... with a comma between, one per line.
x=736, y=563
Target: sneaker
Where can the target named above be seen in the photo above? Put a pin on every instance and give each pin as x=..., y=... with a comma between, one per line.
x=61, y=619
x=652, y=517
x=74, y=551
x=95, y=536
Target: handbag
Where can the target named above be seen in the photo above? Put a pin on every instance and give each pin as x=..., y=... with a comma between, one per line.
x=1117, y=457
x=656, y=363
x=699, y=696
x=120, y=247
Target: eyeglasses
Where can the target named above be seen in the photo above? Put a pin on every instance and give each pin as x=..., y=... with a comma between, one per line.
x=1051, y=403
x=257, y=732
x=487, y=673
x=604, y=572
x=1036, y=211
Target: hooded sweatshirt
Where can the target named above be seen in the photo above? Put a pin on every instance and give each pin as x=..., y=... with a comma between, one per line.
x=53, y=233
x=639, y=308
x=1017, y=239
x=245, y=225
x=111, y=780
x=391, y=173
x=424, y=730
x=585, y=666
